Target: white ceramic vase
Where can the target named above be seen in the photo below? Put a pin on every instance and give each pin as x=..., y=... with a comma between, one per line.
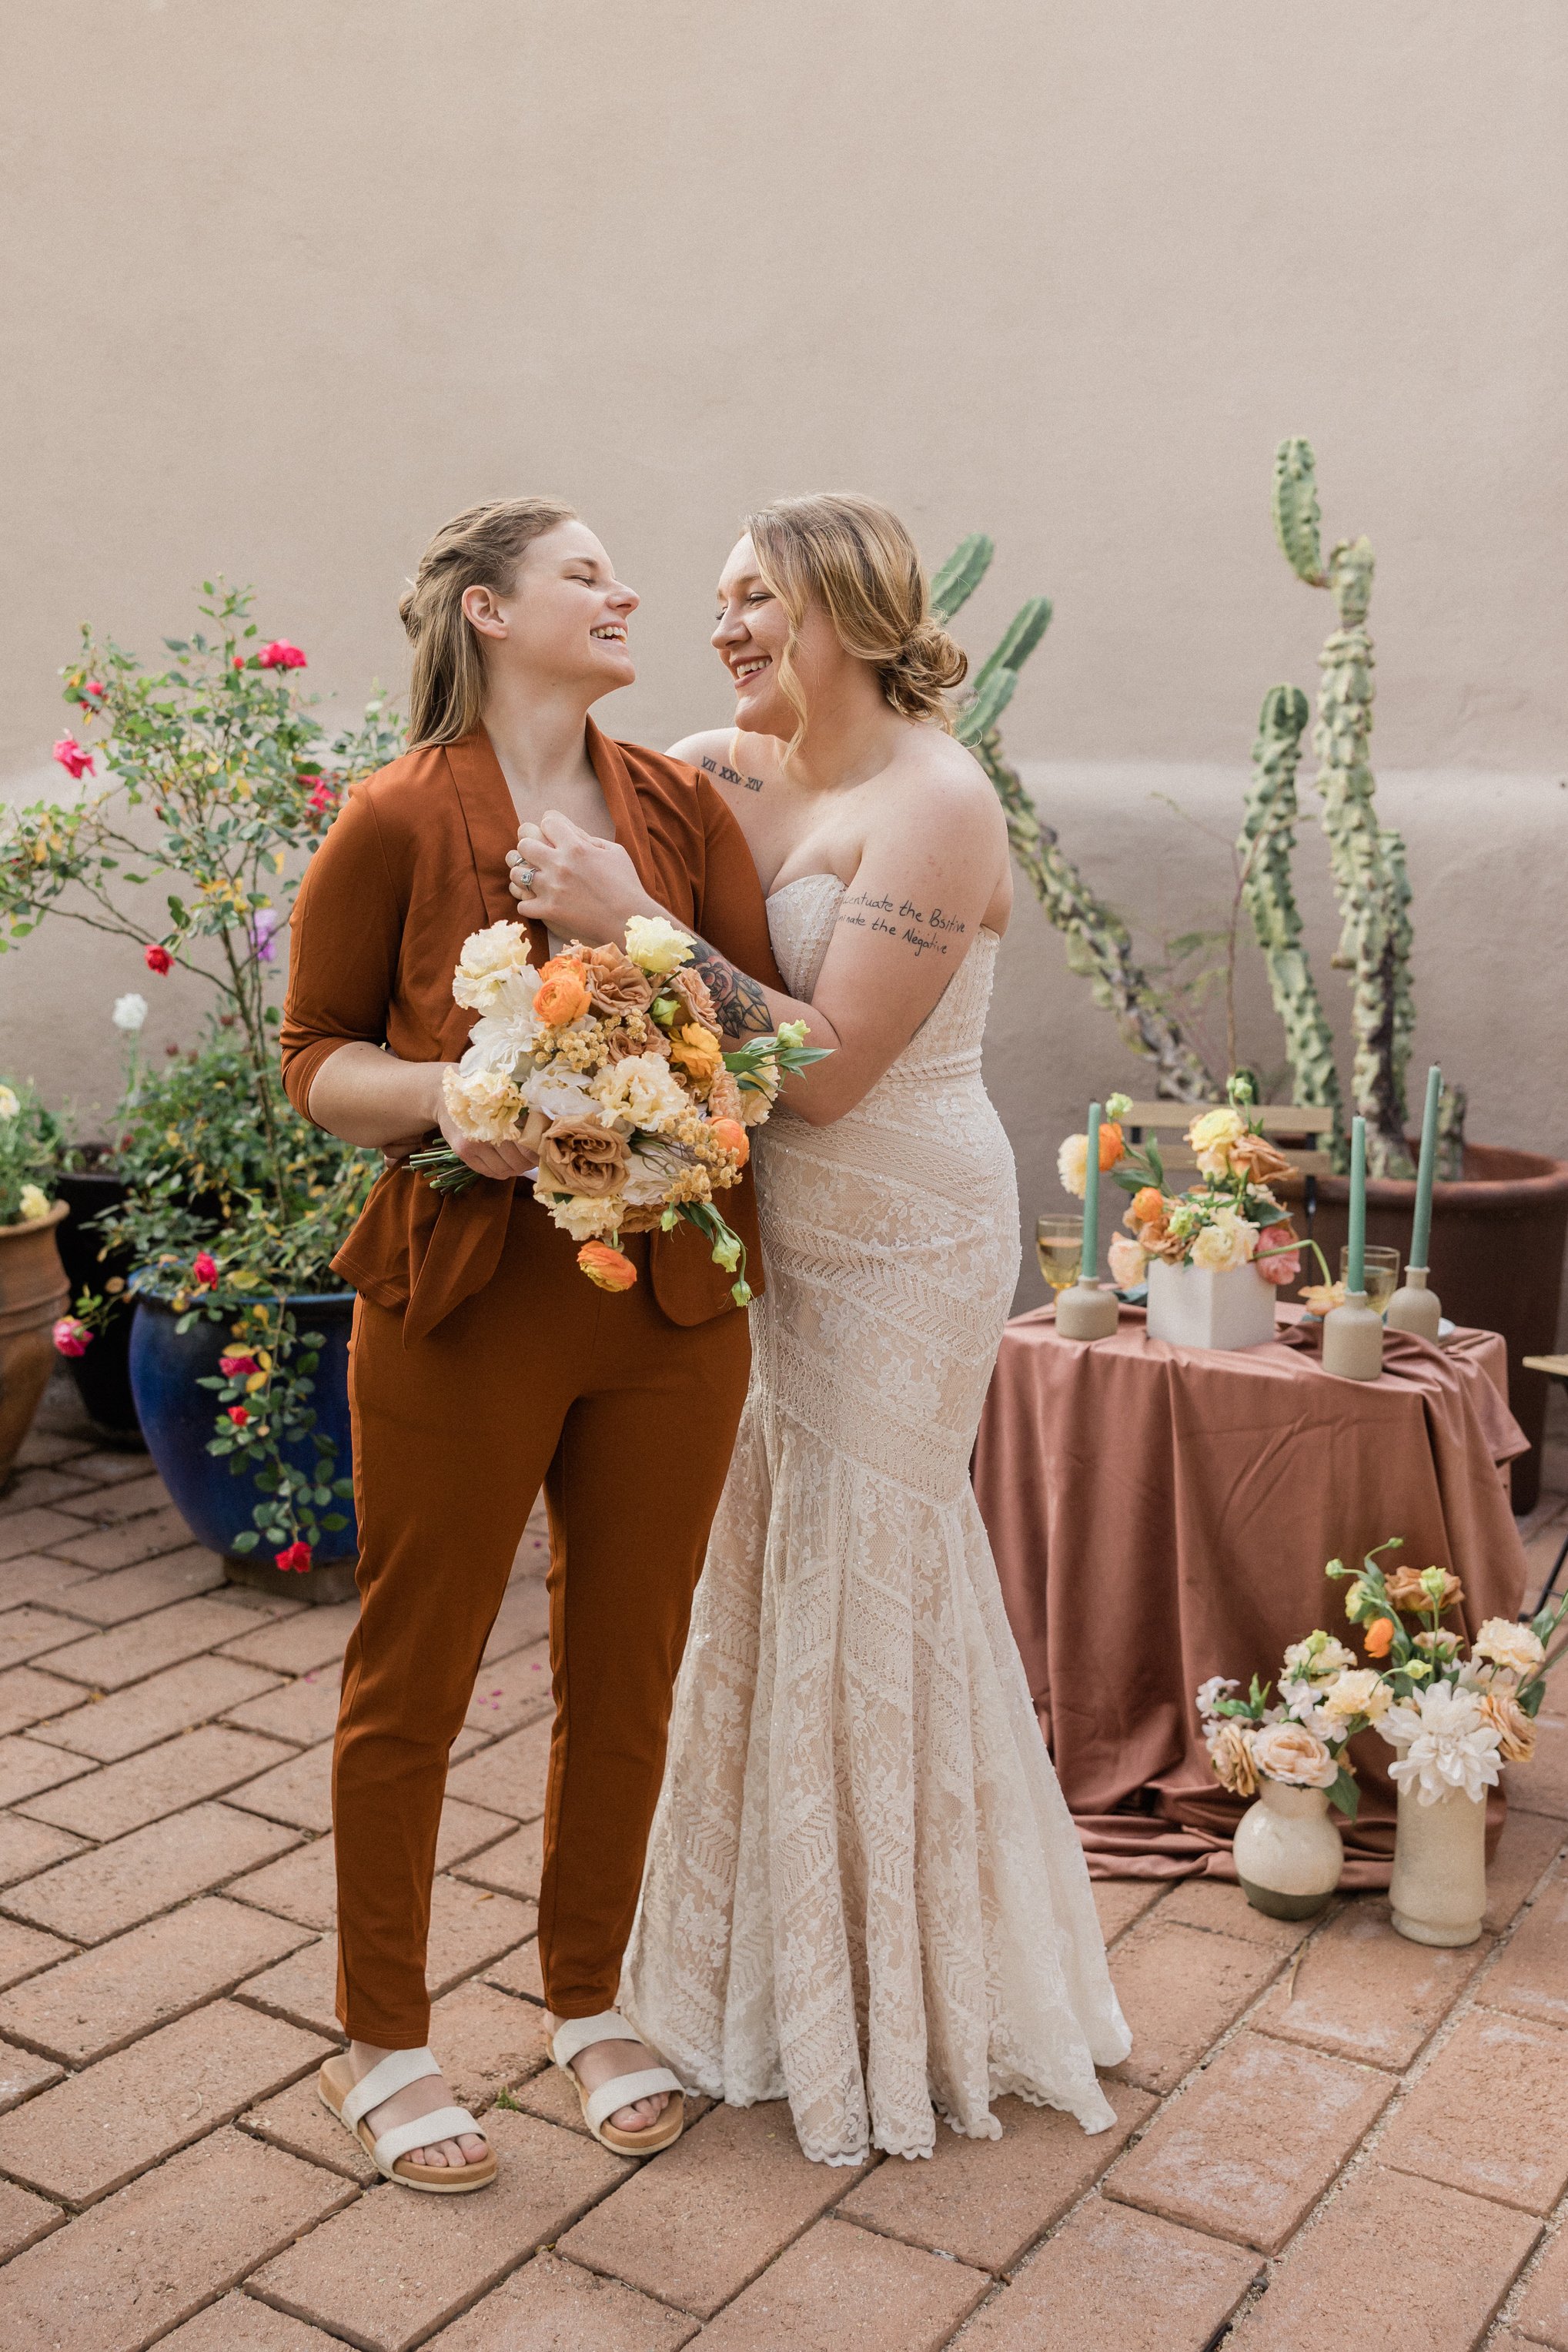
x=1190, y=1306
x=1288, y=1852
x=1439, y=1886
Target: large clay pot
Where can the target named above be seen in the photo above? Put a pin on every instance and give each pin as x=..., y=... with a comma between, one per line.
x=1497, y=1261
x=102, y=1375
x=32, y=1294
x=177, y=1417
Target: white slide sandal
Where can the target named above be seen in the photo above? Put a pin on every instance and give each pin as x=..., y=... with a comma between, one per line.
x=578, y=2033
x=351, y=2102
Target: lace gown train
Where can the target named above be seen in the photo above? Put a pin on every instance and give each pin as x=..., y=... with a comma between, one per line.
x=865, y=1890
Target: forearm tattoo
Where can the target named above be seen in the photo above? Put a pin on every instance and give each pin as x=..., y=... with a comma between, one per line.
x=741, y=1004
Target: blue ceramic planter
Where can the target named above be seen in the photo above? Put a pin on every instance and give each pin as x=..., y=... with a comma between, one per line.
x=177, y=1418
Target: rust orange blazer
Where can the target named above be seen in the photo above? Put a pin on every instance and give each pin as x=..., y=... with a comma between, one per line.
x=414, y=861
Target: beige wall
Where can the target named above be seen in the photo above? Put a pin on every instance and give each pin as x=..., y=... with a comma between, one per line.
x=284, y=286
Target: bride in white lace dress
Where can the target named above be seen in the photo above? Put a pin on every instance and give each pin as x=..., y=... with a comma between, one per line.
x=864, y=1890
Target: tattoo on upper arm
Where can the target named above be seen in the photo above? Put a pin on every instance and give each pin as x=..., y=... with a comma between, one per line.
x=739, y=1001
x=906, y=923
x=728, y=775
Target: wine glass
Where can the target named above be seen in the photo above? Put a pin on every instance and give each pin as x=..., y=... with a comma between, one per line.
x=1380, y=1272
x=1058, y=1245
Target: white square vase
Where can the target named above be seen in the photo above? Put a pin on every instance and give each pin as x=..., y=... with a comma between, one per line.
x=1190, y=1306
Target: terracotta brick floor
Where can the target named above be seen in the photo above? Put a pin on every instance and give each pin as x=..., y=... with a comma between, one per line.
x=1324, y=2137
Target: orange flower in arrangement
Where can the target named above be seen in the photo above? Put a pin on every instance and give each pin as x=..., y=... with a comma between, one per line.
x=733, y=1136
x=1147, y=1205
x=1378, y=1638
x=697, y=1051
x=1111, y=1143
x=563, y=994
x=606, y=1267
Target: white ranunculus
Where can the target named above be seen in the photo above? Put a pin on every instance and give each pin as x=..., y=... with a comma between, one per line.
x=130, y=1013
x=1508, y=1645
x=655, y=945
x=489, y=958
x=1446, y=1743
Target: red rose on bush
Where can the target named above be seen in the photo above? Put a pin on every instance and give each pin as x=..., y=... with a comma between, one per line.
x=70, y=1336
x=205, y=1270
x=294, y=1558
x=238, y=1415
x=158, y=960
x=323, y=797
x=234, y=1368
x=74, y=756
x=281, y=655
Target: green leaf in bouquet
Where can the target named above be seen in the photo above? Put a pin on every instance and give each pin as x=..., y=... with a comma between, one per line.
x=1343, y=1793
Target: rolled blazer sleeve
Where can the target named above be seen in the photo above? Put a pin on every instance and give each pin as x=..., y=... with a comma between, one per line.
x=344, y=941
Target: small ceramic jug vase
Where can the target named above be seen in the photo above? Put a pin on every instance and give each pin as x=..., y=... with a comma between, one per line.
x=1439, y=1886
x=1288, y=1852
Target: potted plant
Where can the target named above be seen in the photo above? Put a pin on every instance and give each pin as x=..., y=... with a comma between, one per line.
x=32, y=1279
x=215, y=784
x=89, y=1180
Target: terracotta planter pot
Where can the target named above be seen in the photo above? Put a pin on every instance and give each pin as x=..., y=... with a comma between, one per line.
x=1497, y=1261
x=32, y=1294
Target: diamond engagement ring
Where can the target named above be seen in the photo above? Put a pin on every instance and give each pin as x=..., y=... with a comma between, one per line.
x=526, y=877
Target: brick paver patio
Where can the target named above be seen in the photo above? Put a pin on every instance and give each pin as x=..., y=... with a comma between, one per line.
x=1325, y=2137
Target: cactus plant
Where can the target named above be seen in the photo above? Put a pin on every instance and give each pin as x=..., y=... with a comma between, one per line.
x=1366, y=858
x=1267, y=839
x=1099, y=944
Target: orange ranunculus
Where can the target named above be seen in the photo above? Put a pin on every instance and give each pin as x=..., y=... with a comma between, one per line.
x=730, y=1133
x=1111, y=1144
x=606, y=1267
x=697, y=1051
x=562, y=994
x=1378, y=1638
x=1147, y=1205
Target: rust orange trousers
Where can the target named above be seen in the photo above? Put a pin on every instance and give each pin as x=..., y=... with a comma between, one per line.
x=627, y=1420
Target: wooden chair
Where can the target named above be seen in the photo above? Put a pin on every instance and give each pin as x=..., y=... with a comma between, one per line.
x=1295, y=1129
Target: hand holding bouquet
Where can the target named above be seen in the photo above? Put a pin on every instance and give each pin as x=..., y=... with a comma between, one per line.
x=609, y=1061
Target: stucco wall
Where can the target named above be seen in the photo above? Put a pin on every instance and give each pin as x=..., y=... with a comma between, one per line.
x=284, y=287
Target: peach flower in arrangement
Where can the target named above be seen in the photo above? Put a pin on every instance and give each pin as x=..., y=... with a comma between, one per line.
x=1515, y=1730
x=1146, y=1207
x=1503, y=1643
x=1408, y=1589
x=1291, y=1752
x=1226, y=1243
x=731, y=1136
x=1212, y=1135
x=563, y=994
x=698, y=1052
x=1254, y=1157
x=1277, y=1257
x=1127, y=1261
x=1229, y=1746
x=606, y=1267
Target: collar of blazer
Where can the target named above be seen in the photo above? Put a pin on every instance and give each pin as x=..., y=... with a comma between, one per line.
x=491, y=817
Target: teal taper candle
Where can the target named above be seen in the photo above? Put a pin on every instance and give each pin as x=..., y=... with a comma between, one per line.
x=1355, y=1270
x=1421, y=1234
x=1091, y=1268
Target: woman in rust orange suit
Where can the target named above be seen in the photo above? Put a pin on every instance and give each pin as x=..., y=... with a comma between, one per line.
x=484, y=1363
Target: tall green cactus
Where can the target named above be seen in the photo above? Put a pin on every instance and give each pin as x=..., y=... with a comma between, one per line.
x=1366, y=859
x=1098, y=942
x=1267, y=840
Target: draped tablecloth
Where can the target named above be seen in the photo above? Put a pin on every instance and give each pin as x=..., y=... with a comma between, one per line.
x=1163, y=1514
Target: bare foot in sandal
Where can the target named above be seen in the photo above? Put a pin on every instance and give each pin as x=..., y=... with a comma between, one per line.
x=407, y=2106
x=601, y=2062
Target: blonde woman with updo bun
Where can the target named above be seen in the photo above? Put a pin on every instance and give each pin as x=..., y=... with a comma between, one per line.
x=864, y=1889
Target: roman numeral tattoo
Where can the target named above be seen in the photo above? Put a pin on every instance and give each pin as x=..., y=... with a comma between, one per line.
x=741, y=1004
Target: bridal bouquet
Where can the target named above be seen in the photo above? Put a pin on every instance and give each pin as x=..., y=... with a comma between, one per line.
x=1230, y=1219
x=609, y=1061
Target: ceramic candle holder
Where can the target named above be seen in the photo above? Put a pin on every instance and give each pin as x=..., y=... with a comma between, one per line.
x=1413, y=1307
x=1086, y=1311
x=1353, y=1339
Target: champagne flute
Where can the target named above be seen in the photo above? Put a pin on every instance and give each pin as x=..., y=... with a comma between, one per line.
x=1380, y=1272
x=1058, y=1245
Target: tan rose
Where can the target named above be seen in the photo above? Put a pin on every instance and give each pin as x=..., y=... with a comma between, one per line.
x=643, y=1220
x=1515, y=1729
x=1230, y=1752
x=615, y=985
x=1406, y=1590
x=1289, y=1751
x=578, y=1155
x=640, y=1037
x=724, y=1097
x=1254, y=1157
x=690, y=991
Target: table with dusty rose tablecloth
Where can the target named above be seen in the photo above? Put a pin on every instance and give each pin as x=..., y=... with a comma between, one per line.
x=1163, y=1514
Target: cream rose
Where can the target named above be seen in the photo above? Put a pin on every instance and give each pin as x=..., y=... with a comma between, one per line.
x=484, y=1104
x=1211, y=1138
x=1508, y=1645
x=1289, y=1751
x=1227, y=1243
x=487, y=959
x=655, y=944
x=1358, y=1692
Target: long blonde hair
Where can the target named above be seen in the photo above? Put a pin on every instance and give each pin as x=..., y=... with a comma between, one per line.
x=480, y=548
x=857, y=558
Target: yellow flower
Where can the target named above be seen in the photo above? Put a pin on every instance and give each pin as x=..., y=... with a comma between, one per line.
x=34, y=1202
x=1211, y=1137
x=697, y=1051
x=655, y=944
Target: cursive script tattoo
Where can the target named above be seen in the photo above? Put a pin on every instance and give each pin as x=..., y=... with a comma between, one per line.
x=908, y=923
x=727, y=775
x=741, y=1003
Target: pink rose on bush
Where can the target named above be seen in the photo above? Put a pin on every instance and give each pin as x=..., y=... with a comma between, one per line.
x=323, y=797
x=206, y=1272
x=281, y=655
x=294, y=1558
x=70, y=1336
x=74, y=757
x=234, y=1368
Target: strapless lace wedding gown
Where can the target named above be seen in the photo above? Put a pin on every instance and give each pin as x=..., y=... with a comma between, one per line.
x=865, y=1890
